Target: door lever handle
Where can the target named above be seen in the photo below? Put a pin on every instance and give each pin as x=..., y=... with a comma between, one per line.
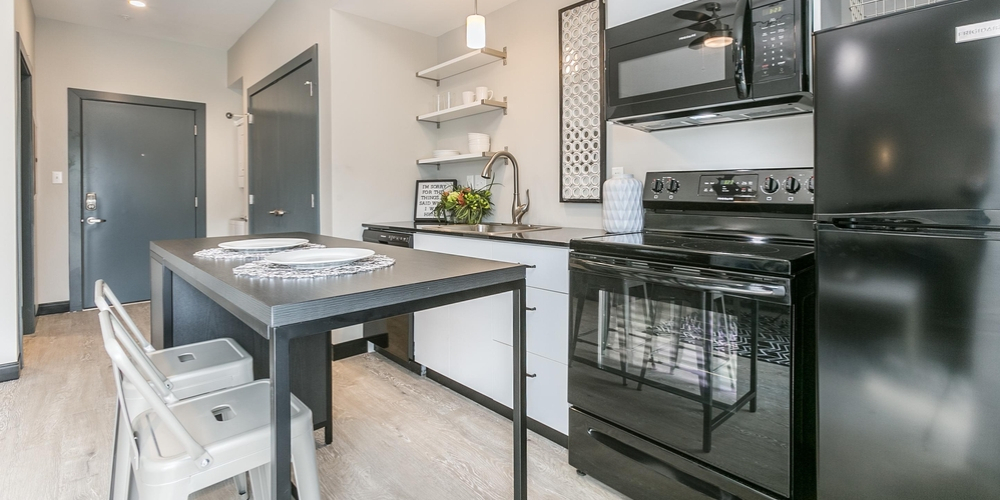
x=93, y=220
x=279, y=212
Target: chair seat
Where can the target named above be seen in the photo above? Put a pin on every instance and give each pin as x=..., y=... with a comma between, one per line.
x=233, y=425
x=202, y=367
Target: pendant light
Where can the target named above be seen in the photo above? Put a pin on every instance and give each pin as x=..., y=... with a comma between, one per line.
x=475, y=29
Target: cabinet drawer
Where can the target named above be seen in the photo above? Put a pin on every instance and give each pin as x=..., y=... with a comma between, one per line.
x=547, y=401
x=547, y=326
x=551, y=270
x=454, y=245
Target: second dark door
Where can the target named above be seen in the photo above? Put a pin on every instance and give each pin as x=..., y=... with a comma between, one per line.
x=284, y=149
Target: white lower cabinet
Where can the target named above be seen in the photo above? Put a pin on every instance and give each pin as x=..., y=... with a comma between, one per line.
x=547, y=392
x=470, y=342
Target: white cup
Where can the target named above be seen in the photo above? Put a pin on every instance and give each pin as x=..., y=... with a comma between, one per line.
x=468, y=97
x=483, y=93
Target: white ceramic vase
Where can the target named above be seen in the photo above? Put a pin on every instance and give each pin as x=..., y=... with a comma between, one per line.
x=622, y=204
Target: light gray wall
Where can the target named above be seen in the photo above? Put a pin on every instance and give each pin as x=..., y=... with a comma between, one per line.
x=75, y=56
x=529, y=29
x=8, y=184
x=368, y=96
x=24, y=22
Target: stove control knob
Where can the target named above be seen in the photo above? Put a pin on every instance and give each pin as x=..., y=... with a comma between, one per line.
x=657, y=186
x=792, y=185
x=770, y=185
x=811, y=185
x=673, y=185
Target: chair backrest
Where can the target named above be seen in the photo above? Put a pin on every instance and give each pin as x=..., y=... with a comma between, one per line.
x=112, y=331
x=128, y=336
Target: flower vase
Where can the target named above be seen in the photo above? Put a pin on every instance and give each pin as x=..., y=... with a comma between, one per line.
x=622, y=211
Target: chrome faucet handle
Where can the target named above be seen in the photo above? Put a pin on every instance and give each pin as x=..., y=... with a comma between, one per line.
x=518, y=211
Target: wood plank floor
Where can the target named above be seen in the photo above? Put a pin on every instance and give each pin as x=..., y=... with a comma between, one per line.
x=396, y=435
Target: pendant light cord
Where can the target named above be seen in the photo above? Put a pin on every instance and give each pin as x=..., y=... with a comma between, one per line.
x=475, y=7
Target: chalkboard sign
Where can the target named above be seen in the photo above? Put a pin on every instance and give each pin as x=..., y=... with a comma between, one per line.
x=428, y=196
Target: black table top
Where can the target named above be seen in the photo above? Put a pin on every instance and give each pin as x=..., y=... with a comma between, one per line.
x=559, y=237
x=278, y=302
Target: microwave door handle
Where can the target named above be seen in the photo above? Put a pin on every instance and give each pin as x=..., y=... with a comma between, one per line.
x=742, y=48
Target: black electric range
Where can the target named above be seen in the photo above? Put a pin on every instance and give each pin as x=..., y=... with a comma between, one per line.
x=690, y=368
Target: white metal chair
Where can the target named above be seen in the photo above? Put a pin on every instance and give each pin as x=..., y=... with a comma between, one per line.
x=185, y=371
x=184, y=446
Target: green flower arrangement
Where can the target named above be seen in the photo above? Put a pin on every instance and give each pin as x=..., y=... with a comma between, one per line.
x=464, y=205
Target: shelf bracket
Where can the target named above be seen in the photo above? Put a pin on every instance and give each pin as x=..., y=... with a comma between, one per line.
x=505, y=56
x=505, y=97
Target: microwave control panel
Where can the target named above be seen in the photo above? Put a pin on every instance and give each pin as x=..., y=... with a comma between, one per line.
x=793, y=186
x=774, y=41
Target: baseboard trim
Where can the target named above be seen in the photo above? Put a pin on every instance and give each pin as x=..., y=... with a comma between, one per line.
x=10, y=371
x=356, y=347
x=498, y=408
x=412, y=366
x=53, y=308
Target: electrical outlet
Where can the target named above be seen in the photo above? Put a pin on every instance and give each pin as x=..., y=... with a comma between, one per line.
x=57, y=177
x=618, y=171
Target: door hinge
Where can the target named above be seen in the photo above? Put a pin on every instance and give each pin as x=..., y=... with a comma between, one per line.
x=312, y=200
x=195, y=130
x=251, y=200
x=195, y=202
x=249, y=117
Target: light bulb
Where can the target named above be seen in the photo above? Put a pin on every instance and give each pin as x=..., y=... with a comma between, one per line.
x=475, y=31
x=718, y=40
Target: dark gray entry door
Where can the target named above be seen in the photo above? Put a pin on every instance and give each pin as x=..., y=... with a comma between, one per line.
x=139, y=163
x=284, y=150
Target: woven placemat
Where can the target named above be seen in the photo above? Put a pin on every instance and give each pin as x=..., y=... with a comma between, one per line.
x=262, y=269
x=225, y=253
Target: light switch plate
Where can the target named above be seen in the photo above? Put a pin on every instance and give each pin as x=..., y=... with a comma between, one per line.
x=57, y=177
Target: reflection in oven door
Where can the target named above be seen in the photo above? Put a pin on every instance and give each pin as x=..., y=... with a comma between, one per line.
x=696, y=366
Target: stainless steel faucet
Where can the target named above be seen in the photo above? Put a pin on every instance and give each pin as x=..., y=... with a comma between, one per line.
x=517, y=210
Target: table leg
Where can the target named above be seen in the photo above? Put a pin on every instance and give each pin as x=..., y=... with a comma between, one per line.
x=281, y=404
x=328, y=430
x=520, y=396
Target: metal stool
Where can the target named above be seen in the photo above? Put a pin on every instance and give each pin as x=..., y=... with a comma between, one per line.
x=185, y=371
x=182, y=447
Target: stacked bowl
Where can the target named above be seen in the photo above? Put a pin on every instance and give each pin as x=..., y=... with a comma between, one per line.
x=479, y=143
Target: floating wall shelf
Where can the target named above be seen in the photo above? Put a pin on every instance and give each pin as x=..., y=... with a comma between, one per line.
x=456, y=112
x=457, y=159
x=463, y=63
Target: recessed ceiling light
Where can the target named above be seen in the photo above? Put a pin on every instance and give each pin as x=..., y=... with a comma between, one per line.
x=137, y=3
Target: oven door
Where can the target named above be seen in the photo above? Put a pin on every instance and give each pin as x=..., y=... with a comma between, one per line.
x=694, y=359
x=657, y=65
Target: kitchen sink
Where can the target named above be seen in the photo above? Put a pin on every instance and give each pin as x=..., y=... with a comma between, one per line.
x=490, y=229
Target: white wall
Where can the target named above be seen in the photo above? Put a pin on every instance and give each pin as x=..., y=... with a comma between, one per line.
x=8, y=183
x=75, y=56
x=529, y=30
x=367, y=93
x=24, y=23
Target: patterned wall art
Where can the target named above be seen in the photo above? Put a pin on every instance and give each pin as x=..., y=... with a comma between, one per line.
x=582, y=116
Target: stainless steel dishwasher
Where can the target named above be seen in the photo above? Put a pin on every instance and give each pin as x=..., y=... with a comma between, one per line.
x=398, y=345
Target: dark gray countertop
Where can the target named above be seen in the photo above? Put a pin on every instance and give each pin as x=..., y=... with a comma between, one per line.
x=553, y=237
x=276, y=302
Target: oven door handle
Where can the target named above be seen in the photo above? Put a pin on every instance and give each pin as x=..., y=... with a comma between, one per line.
x=702, y=284
x=757, y=290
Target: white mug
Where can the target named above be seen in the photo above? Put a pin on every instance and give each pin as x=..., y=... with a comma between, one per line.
x=468, y=97
x=483, y=93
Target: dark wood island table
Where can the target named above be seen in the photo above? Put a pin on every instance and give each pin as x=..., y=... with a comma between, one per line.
x=285, y=324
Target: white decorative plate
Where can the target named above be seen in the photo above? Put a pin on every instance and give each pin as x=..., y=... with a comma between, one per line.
x=319, y=257
x=263, y=244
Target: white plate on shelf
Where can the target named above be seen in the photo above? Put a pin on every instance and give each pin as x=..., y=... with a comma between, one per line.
x=319, y=257
x=263, y=244
x=444, y=153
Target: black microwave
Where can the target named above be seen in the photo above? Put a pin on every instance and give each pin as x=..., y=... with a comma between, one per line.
x=710, y=62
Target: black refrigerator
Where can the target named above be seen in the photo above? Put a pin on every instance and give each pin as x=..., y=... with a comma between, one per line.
x=908, y=254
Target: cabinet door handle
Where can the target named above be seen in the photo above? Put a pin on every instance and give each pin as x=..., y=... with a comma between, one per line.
x=530, y=308
x=531, y=375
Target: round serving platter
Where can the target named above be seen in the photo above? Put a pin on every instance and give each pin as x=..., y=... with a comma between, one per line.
x=263, y=244
x=319, y=257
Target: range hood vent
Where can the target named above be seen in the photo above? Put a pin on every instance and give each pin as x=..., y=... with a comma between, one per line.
x=713, y=116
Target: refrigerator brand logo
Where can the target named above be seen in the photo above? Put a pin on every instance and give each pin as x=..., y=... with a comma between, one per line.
x=979, y=31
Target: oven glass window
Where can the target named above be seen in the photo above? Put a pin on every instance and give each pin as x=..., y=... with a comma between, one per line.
x=669, y=70
x=705, y=372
